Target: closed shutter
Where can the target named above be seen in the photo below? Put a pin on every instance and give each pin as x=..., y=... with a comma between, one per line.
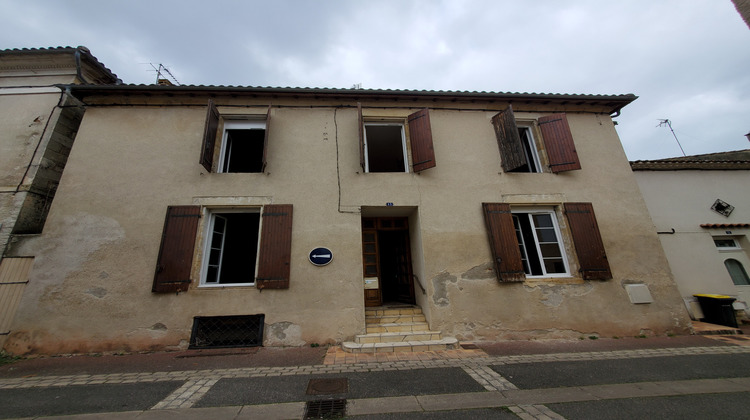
x=558, y=141
x=275, y=247
x=588, y=241
x=420, y=136
x=265, y=139
x=209, y=136
x=508, y=140
x=503, y=243
x=177, y=247
x=361, y=137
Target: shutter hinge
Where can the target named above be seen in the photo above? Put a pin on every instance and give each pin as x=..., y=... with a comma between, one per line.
x=546, y=122
x=560, y=164
x=424, y=161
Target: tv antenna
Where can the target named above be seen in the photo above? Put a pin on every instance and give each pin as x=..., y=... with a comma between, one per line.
x=163, y=75
x=668, y=123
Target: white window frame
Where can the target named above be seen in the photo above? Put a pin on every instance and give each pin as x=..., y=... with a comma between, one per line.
x=210, y=216
x=403, y=144
x=560, y=243
x=530, y=145
x=235, y=125
x=735, y=247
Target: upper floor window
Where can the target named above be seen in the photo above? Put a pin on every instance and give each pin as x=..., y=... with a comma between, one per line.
x=383, y=144
x=520, y=152
x=726, y=243
x=243, y=146
x=385, y=148
x=243, y=142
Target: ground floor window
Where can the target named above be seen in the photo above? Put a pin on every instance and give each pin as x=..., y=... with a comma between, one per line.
x=539, y=243
x=737, y=272
x=231, y=248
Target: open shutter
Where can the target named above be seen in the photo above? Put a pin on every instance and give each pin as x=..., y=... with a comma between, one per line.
x=503, y=242
x=558, y=141
x=265, y=139
x=176, y=251
x=275, y=247
x=361, y=137
x=209, y=136
x=420, y=136
x=588, y=241
x=508, y=140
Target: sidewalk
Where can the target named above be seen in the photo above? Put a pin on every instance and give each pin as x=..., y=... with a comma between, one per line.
x=197, y=373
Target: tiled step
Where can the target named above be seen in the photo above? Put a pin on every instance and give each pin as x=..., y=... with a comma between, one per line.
x=396, y=337
x=430, y=345
x=391, y=319
x=397, y=327
x=393, y=311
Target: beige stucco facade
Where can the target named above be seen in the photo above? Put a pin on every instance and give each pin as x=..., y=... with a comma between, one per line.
x=680, y=202
x=137, y=152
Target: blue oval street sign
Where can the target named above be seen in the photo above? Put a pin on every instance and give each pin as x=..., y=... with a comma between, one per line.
x=320, y=256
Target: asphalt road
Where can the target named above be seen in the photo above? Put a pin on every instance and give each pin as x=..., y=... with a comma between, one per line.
x=695, y=383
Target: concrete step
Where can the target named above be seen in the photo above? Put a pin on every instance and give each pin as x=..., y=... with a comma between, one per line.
x=404, y=346
x=396, y=327
x=394, y=319
x=385, y=310
x=396, y=337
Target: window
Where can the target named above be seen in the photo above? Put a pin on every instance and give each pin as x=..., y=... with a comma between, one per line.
x=242, y=247
x=385, y=148
x=244, y=142
x=531, y=156
x=519, y=151
x=737, y=272
x=529, y=243
x=382, y=144
x=231, y=248
x=723, y=243
x=539, y=244
x=242, y=146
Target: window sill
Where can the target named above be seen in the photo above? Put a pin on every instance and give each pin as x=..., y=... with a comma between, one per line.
x=225, y=286
x=555, y=280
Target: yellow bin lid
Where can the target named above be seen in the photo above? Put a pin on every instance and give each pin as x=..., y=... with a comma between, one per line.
x=713, y=296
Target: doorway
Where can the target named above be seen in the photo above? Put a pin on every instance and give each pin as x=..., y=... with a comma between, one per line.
x=386, y=252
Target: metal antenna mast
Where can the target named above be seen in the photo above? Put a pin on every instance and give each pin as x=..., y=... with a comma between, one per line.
x=163, y=69
x=669, y=124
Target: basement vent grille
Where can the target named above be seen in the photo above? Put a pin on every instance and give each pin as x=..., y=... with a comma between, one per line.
x=325, y=409
x=227, y=331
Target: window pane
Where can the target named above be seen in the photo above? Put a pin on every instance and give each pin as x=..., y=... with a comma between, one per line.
x=371, y=270
x=371, y=259
x=550, y=250
x=546, y=235
x=370, y=248
x=554, y=266
x=725, y=243
x=368, y=237
x=542, y=220
x=385, y=148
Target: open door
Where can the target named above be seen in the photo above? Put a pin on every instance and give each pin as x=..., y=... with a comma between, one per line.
x=386, y=253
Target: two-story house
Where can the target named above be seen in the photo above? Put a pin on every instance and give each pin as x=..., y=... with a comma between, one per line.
x=210, y=216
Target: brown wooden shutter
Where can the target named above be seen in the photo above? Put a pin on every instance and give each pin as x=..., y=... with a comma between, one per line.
x=558, y=141
x=176, y=251
x=361, y=137
x=209, y=136
x=275, y=247
x=265, y=139
x=588, y=241
x=420, y=136
x=508, y=140
x=503, y=242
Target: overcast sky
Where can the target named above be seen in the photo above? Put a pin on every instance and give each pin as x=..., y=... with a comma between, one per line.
x=687, y=60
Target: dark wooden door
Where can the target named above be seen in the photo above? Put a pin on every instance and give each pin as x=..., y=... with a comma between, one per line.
x=387, y=257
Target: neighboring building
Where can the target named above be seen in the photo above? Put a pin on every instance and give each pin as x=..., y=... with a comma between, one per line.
x=187, y=209
x=38, y=123
x=701, y=207
x=743, y=8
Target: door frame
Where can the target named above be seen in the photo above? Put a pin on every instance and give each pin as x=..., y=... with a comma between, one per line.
x=371, y=268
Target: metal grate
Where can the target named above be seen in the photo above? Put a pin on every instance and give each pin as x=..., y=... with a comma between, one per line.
x=327, y=386
x=227, y=331
x=325, y=409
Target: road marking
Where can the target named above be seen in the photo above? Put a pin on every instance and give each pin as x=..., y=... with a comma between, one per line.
x=186, y=395
x=488, y=378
